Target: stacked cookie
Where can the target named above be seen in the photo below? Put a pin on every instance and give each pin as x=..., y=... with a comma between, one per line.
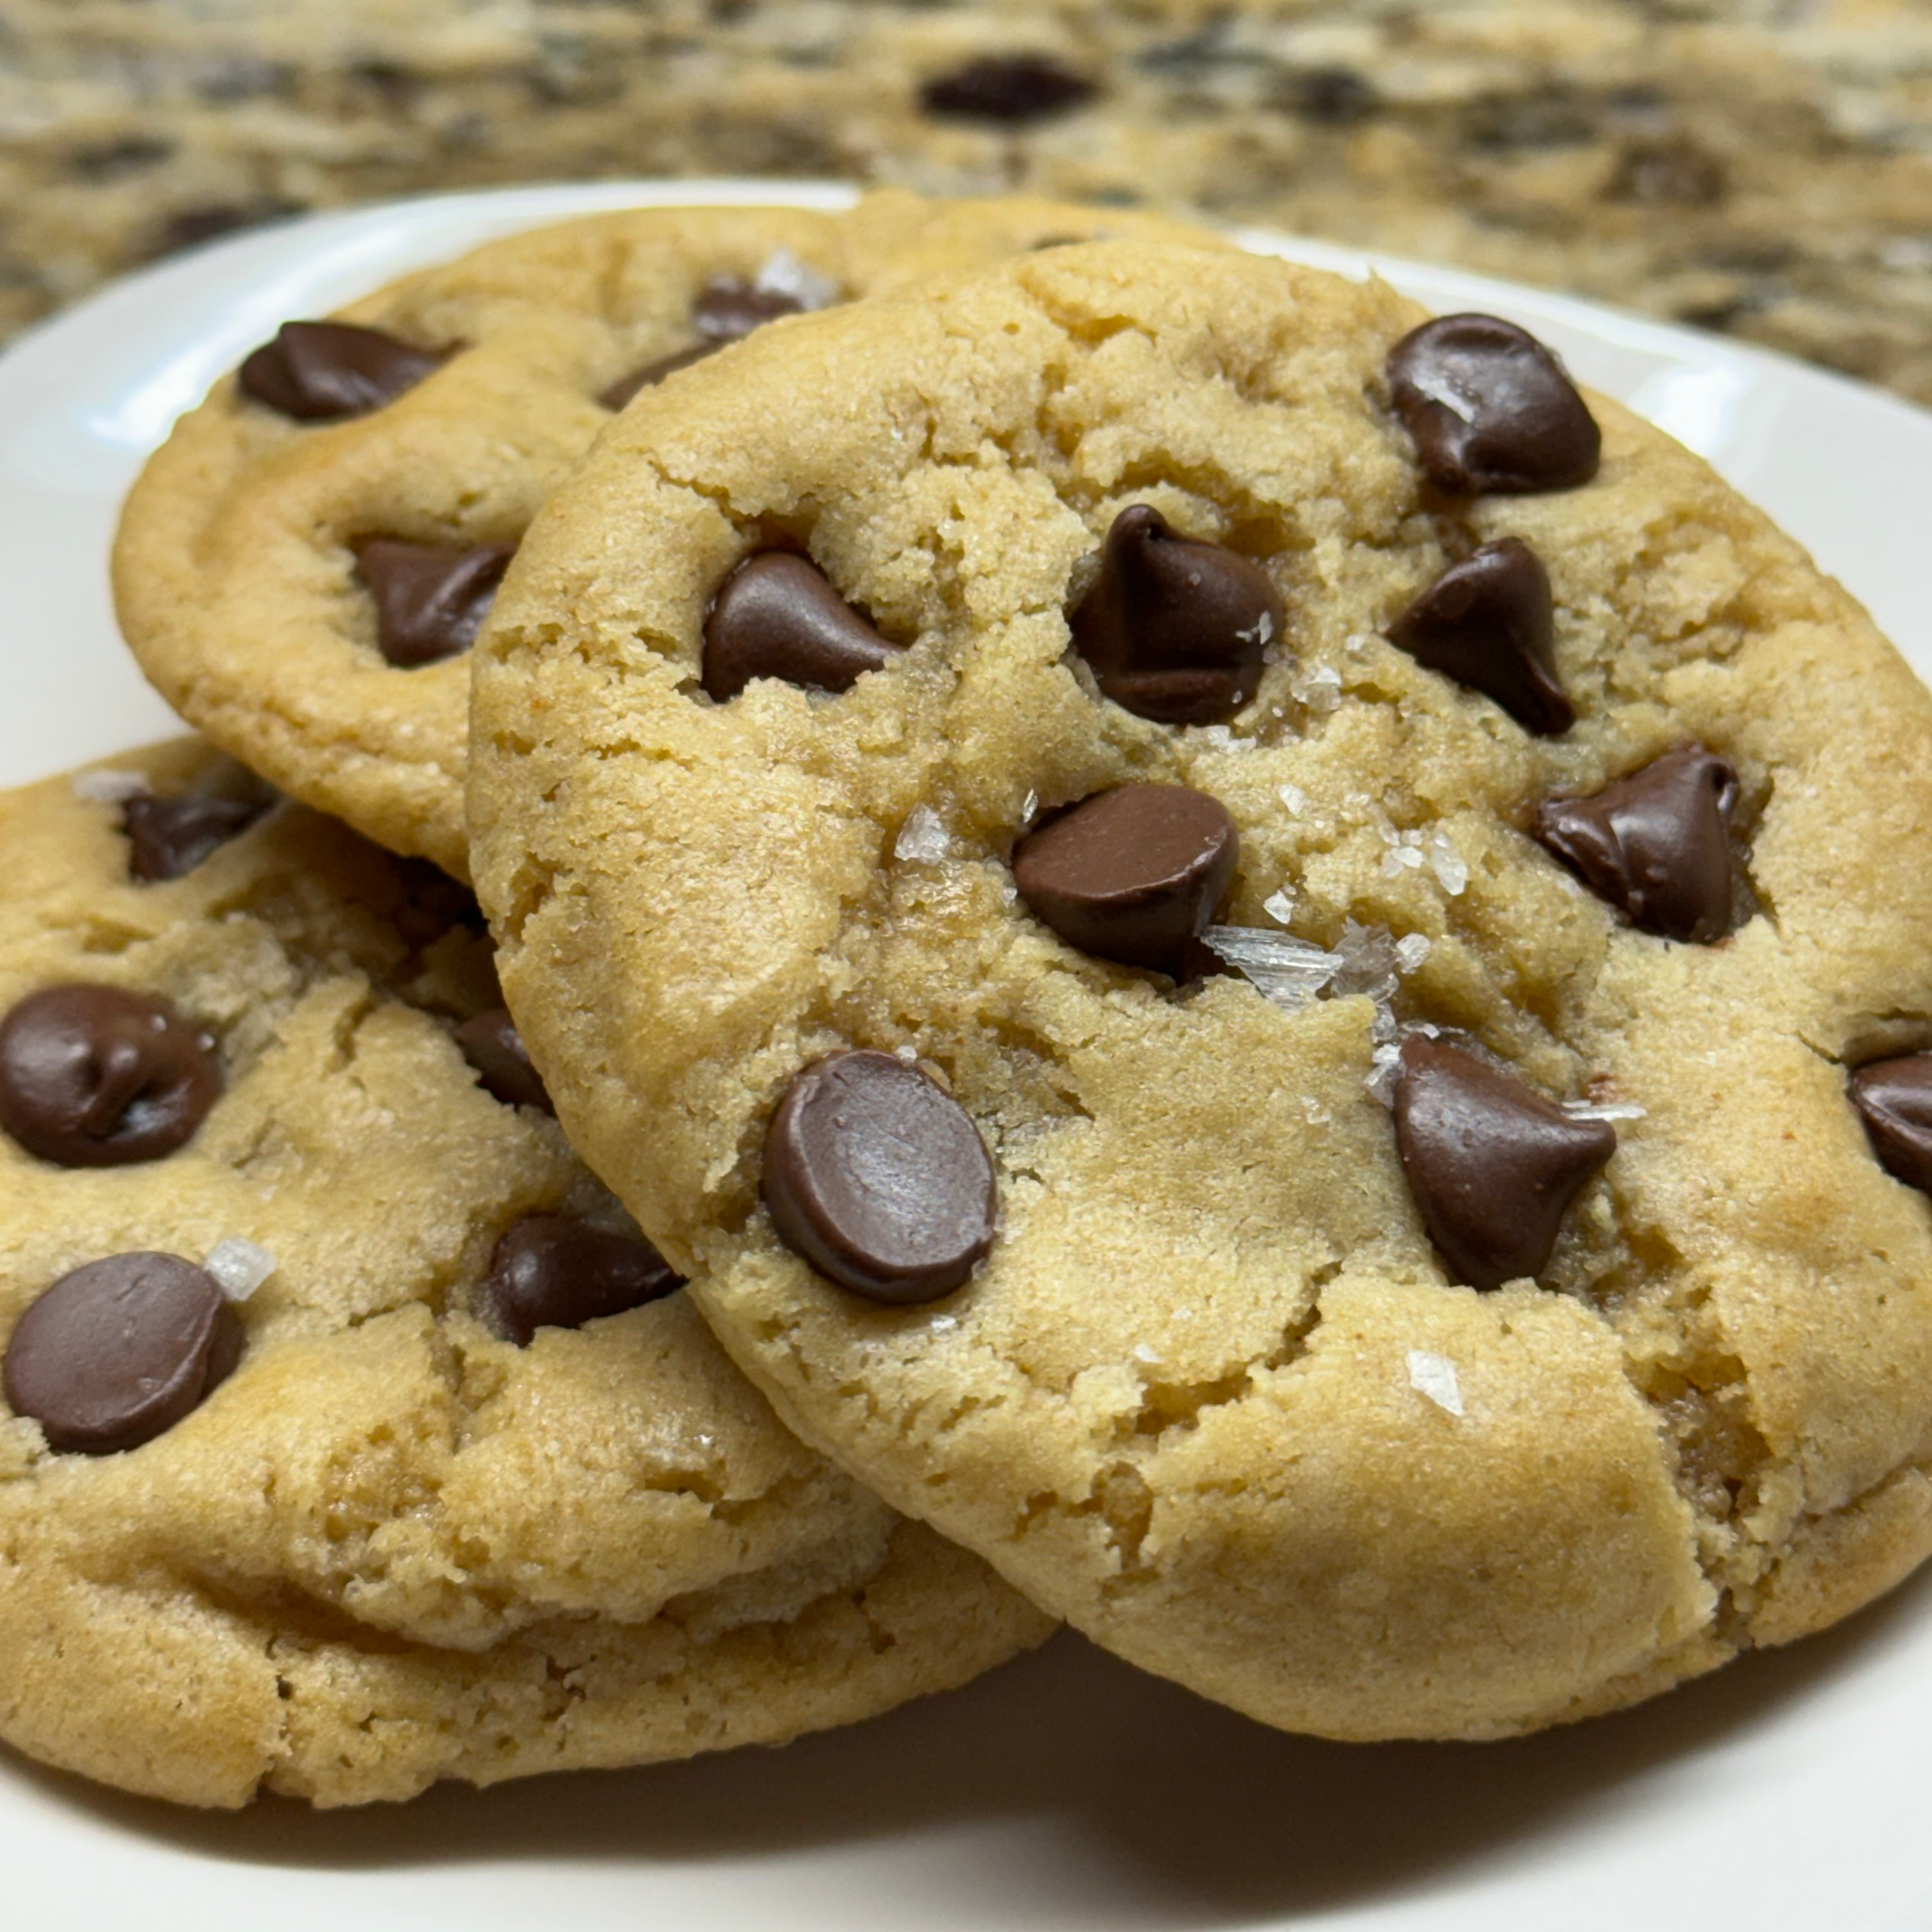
x=1265, y=971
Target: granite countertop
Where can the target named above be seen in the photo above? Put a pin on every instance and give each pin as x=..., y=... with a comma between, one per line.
x=1759, y=166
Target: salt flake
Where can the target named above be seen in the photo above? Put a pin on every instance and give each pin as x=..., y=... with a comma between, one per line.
x=1435, y=1376
x=239, y=1267
x=1287, y=970
x=1411, y=950
x=922, y=838
x=110, y=787
x=784, y=275
x=1279, y=905
x=1450, y=868
x=1293, y=797
x=1610, y=1110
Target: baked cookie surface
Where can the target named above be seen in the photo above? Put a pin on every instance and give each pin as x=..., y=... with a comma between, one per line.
x=463, y=1487
x=1537, y=786
x=301, y=567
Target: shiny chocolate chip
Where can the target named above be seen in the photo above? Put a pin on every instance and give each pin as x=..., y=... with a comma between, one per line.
x=878, y=1179
x=492, y=1045
x=1487, y=622
x=1490, y=408
x=1174, y=629
x=553, y=1271
x=318, y=371
x=1008, y=90
x=1894, y=1098
x=430, y=599
x=777, y=615
x=1493, y=1165
x=92, y=1076
x=1656, y=844
x=119, y=1350
x=1132, y=875
x=167, y=837
x=652, y=373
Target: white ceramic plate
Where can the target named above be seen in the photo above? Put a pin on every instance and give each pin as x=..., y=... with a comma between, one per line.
x=1064, y=1791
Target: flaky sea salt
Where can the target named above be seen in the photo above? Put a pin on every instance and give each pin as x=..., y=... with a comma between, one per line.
x=1146, y=1354
x=1435, y=1376
x=1287, y=970
x=1411, y=950
x=1366, y=962
x=1610, y=1110
x=1260, y=631
x=1279, y=905
x=1293, y=797
x=1438, y=390
x=921, y=838
x=1451, y=869
x=1384, y=1066
x=239, y=1267
x=110, y=787
x=1029, y=809
x=1319, y=690
x=784, y=275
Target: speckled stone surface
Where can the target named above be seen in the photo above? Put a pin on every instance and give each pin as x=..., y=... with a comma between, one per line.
x=1761, y=166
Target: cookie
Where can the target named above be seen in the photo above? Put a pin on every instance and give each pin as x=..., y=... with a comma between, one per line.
x=352, y=1437
x=301, y=567
x=1282, y=1068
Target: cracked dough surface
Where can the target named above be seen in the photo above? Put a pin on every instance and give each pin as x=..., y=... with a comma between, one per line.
x=234, y=579
x=1175, y=1404
x=392, y=1548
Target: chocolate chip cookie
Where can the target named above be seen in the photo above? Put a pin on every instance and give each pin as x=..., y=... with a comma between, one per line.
x=1320, y=1047
x=302, y=566
x=352, y=1438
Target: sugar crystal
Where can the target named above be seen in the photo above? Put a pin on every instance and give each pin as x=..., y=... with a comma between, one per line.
x=1435, y=1376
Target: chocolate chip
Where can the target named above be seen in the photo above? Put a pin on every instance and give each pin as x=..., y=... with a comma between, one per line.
x=1132, y=875
x=91, y=1076
x=1492, y=1163
x=879, y=1179
x=1490, y=408
x=621, y=392
x=1487, y=622
x=119, y=1350
x=552, y=1271
x=1008, y=89
x=1174, y=628
x=317, y=371
x=492, y=1045
x=1894, y=1098
x=167, y=837
x=1656, y=844
x=430, y=599
x=776, y=616
x=728, y=307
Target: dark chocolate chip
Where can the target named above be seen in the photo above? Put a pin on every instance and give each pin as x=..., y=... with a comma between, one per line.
x=1894, y=1098
x=728, y=307
x=776, y=616
x=492, y=1045
x=317, y=371
x=553, y=1271
x=430, y=599
x=1487, y=622
x=1492, y=1163
x=1656, y=844
x=1132, y=875
x=652, y=373
x=119, y=1350
x=1174, y=628
x=167, y=837
x=1490, y=408
x=1008, y=89
x=92, y=1076
x=878, y=1179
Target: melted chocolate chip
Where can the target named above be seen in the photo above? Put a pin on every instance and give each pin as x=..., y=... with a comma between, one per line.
x=167, y=837
x=652, y=373
x=91, y=1076
x=119, y=1350
x=1132, y=875
x=1487, y=622
x=777, y=615
x=1008, y=89
x=728, y=308
x=551, y=1271
x=1656, y=844
x=1490, y=408
x=318, y=371
x=1894, y=1098
x=492, y=1045
x=879, y=1179
x=1174, y=629
x=1492, y=1163
x=430, y=599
